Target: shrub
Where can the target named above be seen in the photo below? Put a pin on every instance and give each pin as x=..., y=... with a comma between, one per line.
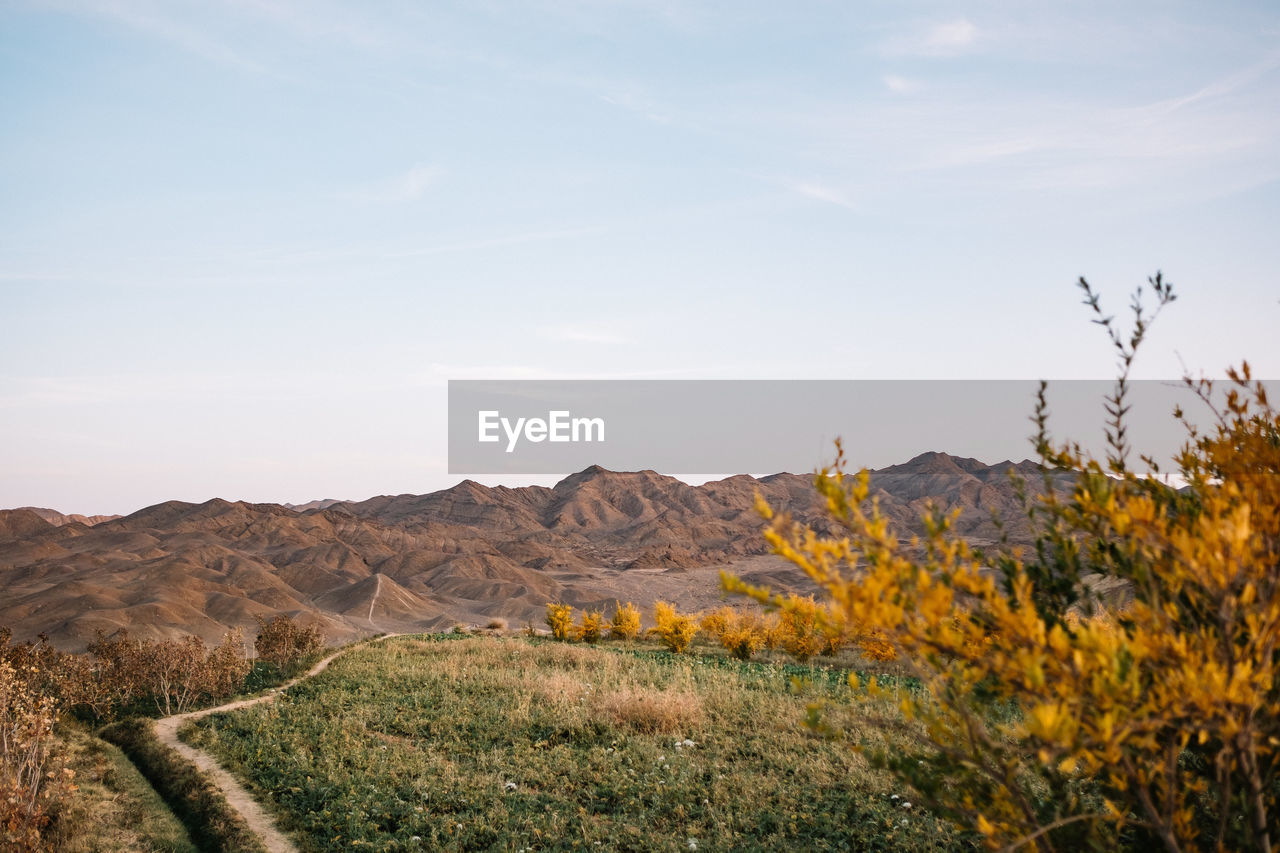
x=1155, y=728
x=284, y=642
x=626, y=622
x=592, y=626
x=560, y=620
x=676, y=630
x=31, y=786
x=801, y=633
x=227, y=666
x=743, y=634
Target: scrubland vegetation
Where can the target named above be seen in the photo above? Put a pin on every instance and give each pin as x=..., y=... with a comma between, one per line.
x=49, y=774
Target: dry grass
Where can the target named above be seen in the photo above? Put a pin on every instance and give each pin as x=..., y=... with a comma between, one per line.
x=650, y=711
x=114, y=810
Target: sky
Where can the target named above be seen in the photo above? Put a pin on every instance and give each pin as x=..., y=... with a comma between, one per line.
x=244, y=244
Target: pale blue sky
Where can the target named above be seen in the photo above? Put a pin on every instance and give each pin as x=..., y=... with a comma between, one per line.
x=244, y=244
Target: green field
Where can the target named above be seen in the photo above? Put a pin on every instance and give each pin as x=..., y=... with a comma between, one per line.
x=428, y=743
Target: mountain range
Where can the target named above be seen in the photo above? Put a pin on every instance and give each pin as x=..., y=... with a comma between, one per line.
x=469, y=554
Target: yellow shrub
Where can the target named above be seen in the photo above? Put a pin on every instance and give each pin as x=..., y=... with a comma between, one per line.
x=743, y=634
x=717, y=621
x=560, y=620
x=875, y=646
x=802, y=635
x=744, y=638
x=676, y=630
x=592, y=626
x=626, y=622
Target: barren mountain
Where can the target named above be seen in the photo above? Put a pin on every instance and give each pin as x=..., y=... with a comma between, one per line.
x=58, y=519
x=468, y=554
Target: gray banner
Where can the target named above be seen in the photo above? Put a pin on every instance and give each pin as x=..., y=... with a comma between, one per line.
x=722, y=427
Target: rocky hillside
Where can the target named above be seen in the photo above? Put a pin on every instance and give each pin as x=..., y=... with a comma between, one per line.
x=467, y=554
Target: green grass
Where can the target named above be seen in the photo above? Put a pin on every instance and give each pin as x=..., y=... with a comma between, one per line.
x=506, y=744
x=195, y=800
x=114, y=809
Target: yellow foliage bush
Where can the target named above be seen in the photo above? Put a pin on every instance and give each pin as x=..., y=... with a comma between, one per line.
x=1158, y=728
x=592, y=626
x=743, y=634
x=676, y=630
x=625, y=624
x=800, y=631
x=560, y=620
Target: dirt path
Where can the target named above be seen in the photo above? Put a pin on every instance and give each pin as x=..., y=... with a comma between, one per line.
x=239, y=798
x=376, y=589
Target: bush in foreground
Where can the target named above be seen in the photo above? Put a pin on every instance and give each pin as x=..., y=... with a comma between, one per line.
x=1156, y=727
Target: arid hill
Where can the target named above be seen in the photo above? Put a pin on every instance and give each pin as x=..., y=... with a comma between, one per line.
x=58, y=519
x=467, y=554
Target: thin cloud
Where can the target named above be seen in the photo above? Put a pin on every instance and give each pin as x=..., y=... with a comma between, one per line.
x=636, y=104
x=953, y=35
x=410, y=186
x=900, y=85
x=492, y=242
x=822, y=192
x=580, y=335
x=1218, y=88
x=946, y=38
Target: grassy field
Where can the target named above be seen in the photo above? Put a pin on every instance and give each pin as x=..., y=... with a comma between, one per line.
x=114, y=810
x=426, y=743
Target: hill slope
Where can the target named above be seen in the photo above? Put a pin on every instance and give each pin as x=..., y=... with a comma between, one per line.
x=469, y=553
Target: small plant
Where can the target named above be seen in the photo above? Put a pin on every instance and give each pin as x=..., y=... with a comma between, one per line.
x=875, y=646
x=743, y=634
x=626, y=622
x=676, y=630
x=560, y=620
x=496, y=625
x=801, y=632
x=592, y=626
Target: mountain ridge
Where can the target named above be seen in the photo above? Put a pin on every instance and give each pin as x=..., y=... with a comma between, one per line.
x=469, y=553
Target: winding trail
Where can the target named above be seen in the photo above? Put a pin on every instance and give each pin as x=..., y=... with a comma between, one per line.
x=237, y=796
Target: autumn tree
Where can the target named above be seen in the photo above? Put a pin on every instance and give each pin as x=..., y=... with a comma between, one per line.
x=560, y=620
x=284, y=642
x=226, y=666
x=1045, y=719
x=625, y=624
x=676, y=630
x=31, y=782
x=592, y=626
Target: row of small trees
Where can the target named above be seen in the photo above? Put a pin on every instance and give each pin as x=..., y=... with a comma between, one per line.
x=803, y=629
x=120, y=674
x=592, y=626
